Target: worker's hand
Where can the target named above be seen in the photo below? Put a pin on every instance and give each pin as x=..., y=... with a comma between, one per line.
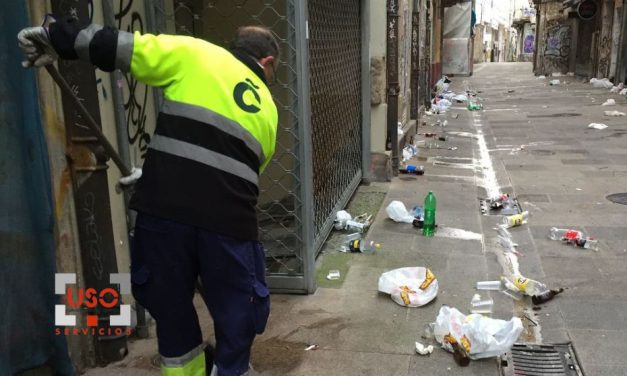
x=127, y=181
x=36, y=46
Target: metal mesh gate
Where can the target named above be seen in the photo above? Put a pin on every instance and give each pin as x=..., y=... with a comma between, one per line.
x=335, y=69
x=289, y=232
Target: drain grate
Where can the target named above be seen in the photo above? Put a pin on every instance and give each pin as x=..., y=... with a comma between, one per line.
x=618, y=198
x=540, y=360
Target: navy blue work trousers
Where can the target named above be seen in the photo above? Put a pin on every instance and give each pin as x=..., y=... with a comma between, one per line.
x=166, y=260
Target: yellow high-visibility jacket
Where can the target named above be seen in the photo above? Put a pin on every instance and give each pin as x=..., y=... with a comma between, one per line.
x=216, y=130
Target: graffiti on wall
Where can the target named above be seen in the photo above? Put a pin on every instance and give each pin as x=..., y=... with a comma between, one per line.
x=529, y=41
x=529, y=44
x=136, y=93
x=557, y=46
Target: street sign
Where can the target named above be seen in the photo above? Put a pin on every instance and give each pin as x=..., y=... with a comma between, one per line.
x=587, y=9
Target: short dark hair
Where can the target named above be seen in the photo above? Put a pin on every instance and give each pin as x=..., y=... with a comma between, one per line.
x=256, y=41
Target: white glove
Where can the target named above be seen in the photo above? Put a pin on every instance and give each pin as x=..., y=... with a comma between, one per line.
x=126, y=181
x=36, y=46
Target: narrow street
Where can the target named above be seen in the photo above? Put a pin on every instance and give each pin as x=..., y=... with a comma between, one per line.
x=534, y=139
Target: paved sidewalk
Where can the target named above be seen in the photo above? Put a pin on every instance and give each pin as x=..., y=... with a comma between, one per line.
x=561, y=175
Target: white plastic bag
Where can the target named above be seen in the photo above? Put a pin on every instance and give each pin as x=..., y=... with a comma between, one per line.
x=409, y=287
x=398, y=212
x=598, y=126
x=614, y=113
x=609, y=102
x=604, y=83
x=460, y=98
x=341, y=217
x=481, y=336
x=554, y=82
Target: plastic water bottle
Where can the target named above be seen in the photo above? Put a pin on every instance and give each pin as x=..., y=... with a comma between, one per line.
x=574, y=237
x=516, y=219
x=364, y=247
x=529, y=286
x=428, y=227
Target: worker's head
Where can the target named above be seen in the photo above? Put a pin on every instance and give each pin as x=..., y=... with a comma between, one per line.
x=259, y=43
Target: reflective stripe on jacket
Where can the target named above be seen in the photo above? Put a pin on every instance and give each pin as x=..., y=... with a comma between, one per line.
x=215, y=133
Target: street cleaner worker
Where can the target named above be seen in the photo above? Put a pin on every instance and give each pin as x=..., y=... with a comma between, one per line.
x=196, y=199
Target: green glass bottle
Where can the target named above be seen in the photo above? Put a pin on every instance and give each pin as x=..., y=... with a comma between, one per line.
x=428, y=227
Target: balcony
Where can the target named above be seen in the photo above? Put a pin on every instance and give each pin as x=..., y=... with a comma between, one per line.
x=523, y=15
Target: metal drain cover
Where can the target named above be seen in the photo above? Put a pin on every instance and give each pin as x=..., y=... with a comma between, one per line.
x=540, y=360
x=618, y=198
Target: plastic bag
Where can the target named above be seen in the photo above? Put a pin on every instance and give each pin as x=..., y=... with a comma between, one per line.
x=409, y=287
x=398, y=212
x=609, y=102
x=598, y=126
x=341, y=217
x=460, y=98
x=604, y=83
x=481, y=336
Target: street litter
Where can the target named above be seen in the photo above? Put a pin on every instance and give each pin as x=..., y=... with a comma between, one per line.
x=455, y=116
x=542, y=77
x=474, y=336
x=440, y=104
x=460, y=98
x=456, y=233
x=360, y=246
x=397, y=211
x=507, y=244
x=344, y=221
x=538, y=291
x=422, y=349
x=516, y=219
x=489, y=285
x=482, y=306
x=614, y=113
x=340, y=219
x=409, y=287
x=411, y=169
x=554, y=82
x=623, y=92
x=452, y=148
x=617, y=88
x=598, y=126
x=333, y=275
x=604, y=83
x=510, y=289
x=443, y=84
x=499, y=201
x=311, y=347
x=609, y=102
x=545, y=296
x=574, y=237
x=409, y=151
x=418, y=214
x=474, y=106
